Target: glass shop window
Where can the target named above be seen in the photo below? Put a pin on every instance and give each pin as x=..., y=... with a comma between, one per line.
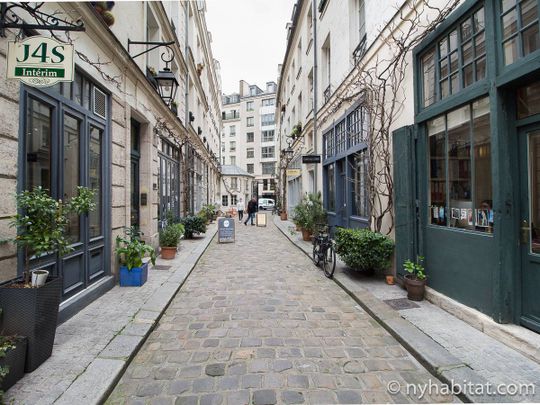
x=460, y=184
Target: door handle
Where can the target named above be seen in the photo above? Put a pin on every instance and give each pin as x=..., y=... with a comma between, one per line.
x=525, y=231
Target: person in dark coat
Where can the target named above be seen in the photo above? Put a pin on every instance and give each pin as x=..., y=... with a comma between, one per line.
x=251, y=210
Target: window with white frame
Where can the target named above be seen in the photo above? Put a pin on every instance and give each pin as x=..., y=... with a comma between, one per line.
x=233, y=160
x=250, y=137
x=268, y=102
x=234, y=200
x=267, y=152
x=268, y=167
x=250, y=168
x=232, y=146
x=232, y=130
x=267, y=136
x=268, y=119
x=250, y=153
x=234, y=183
x=225, y=200
x=249, y=106
x=250, y=121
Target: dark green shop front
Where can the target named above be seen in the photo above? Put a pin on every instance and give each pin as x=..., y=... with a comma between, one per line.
x=468, y=171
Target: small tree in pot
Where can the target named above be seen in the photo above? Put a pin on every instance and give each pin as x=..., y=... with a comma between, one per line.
x=193, y=224
x=30, y=304
x=415, y=279
x=131, y=250
x=169, y=238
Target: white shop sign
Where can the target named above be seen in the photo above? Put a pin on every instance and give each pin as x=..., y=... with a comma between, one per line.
x=40, y=61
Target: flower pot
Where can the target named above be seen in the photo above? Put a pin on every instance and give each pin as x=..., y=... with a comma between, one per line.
x=306, y=235
x=390, y=280
x=39, y=277
x=135, y=277
x=415, y=288
x=32, y=312
x=14, y=361
x=283, y=216
x=168, y=253
x=298, y=228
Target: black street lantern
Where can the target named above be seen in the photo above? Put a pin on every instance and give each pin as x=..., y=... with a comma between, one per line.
x=289, y=152
x=167, y=85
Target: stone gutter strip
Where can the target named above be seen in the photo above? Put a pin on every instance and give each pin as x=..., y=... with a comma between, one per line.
x=95, y=384
x=435, y=358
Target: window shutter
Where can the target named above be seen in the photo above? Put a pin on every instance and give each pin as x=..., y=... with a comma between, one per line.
x=100, y=103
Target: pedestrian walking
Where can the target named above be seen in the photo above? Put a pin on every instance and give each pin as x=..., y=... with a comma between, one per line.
x=240, y=208
x=251, y=209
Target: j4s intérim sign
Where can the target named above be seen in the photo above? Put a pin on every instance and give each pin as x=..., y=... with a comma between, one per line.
x=40, y=61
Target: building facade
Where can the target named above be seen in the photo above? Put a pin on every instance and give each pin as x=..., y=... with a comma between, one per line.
x=249, y=138
x=237, y=185
x=111, y=131
x=462, y=141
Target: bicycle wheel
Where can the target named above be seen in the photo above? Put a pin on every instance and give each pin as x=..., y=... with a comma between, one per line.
x=316, y=255
x=329, y=261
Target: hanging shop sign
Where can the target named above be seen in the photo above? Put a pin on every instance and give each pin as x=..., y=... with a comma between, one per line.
x=311, y=158
x=294, y=172
x=40, y=61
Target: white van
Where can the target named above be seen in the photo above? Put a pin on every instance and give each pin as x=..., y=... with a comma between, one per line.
x=266, y=204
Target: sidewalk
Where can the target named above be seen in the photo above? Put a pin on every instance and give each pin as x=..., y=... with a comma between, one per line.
x=451, y=349
x=92, y=349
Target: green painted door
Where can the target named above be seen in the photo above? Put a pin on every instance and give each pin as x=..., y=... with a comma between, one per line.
x=530, y=227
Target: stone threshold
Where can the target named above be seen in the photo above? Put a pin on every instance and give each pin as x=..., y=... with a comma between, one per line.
x=100, y=368
x=436, y=359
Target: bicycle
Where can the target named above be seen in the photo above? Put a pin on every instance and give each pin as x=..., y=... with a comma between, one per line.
x=324, y=251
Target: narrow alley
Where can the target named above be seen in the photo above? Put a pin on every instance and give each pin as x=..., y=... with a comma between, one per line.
x=257, y=322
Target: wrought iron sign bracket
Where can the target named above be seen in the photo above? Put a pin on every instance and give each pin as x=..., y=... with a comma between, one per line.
x=43, y=21
x=155, y=46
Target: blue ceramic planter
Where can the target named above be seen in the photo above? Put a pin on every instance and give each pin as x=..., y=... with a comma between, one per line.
x=135, y=277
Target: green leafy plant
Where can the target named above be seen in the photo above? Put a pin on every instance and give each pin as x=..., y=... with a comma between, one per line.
x=309, y=212
x=131, y=249
x=193, y=224
x=296, y=131
x=363, y=249
x=42, y=221
x=207, y=212
x=170, y=236
x=415, y=269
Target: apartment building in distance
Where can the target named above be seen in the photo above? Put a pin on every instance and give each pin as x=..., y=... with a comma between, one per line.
x=249, y=138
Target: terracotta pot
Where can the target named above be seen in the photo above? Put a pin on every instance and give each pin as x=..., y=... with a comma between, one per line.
x=283, y=216
x=390, y=280
x=415, y=288
x=168, y=253
x=306, y=235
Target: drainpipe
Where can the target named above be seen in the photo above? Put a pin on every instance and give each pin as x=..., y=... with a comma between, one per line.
x=315, y=79
x=186, y=108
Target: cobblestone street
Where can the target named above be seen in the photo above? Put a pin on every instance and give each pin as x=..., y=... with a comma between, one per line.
x=257, y=322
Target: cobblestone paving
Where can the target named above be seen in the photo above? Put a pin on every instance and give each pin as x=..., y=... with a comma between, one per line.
x=258, y=323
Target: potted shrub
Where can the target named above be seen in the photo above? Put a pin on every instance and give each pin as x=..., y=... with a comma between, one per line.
x=309, y=213
x=364, y=250
x=193, y=224
x=131, y=251
x=12, y=359
x=415, y=279
x=169, y=237
x=30, y=309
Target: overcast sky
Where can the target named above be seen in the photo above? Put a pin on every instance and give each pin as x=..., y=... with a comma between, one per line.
x=248, y=39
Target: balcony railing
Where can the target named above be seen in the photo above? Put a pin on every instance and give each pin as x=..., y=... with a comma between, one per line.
x=360, y=50
x=327, y=93
x=230, y=116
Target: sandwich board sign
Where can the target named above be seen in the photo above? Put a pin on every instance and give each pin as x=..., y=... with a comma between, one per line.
x=226, y=230
x=40, y=61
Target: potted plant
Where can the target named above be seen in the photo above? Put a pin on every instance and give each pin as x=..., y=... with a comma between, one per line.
x=193, y=224
x=131, y=251
x=309, y=213
x=364, y=250
x=415, y=279
x=169, y=237
x=31, y=309
x=12, y=359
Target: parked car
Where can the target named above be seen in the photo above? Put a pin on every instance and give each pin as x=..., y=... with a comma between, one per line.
x=266, y=204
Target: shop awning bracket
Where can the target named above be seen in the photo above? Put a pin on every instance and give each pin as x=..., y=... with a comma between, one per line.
x=43, y=21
